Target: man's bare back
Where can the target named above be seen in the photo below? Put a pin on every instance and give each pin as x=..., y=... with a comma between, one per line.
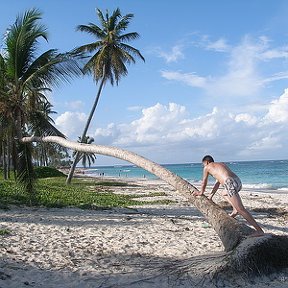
x=219, y=171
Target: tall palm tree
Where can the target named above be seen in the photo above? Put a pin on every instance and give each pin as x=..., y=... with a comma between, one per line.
x=110, y=54
x=26, y=75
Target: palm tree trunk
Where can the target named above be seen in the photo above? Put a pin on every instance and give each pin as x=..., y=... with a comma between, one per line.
x=77, y=156
x=230, y=231
x=4, y=159
x=8, y=157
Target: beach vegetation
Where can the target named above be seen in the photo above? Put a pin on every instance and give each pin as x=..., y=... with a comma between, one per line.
x=52, y=192
x=46, y=172
x=107, y=57
x=4, y=232
x=113, y=183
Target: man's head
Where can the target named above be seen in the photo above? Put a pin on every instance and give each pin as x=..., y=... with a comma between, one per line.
x=207, y=159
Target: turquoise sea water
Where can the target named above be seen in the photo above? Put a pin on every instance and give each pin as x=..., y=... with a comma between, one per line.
x=264, y=175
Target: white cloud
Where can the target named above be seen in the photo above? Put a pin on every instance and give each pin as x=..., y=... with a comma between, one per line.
x=134, y=108
x=246, y=118
x=172, y=56
x=162, y=124
x=241, y=74
x=276, y=77
x=278, y=110
x=169, y=131
x=71, y=124
x=205, y=42
x=74, y=105
x=219, y=45
x=152, y=127
x=106, y=136
x=265, y=144
x=275, y=53
x=190, y=79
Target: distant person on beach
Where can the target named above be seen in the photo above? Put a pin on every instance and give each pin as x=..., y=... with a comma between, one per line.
x=232, y=185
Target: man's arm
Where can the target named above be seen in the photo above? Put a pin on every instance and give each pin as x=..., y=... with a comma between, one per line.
x=214, y=190
x=204, y=183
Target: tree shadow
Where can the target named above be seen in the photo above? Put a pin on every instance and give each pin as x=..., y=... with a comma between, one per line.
x=137, y=271
x=133, y=270
x=63, y=216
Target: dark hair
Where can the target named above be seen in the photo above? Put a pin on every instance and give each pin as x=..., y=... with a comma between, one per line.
x=208, y=158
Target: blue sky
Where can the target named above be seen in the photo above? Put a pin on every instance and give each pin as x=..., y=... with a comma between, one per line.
x=213, y=81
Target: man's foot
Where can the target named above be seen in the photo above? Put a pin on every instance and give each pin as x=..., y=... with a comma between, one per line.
x=233, y=214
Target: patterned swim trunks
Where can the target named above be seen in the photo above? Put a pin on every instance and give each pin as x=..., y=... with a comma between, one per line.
x=232, y=185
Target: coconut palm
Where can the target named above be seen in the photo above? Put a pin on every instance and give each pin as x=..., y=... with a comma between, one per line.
x=41, y=124
x=27, y=75
x=85, y=156
x=110, y=54
x=254, y=255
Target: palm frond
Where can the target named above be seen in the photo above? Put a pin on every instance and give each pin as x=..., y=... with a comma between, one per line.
x=101, y=17
x=92, y=29
x=52, y=68
x=124, y=22
x=110, y=49
x=128, y=37
x=40, y=125
x=21, y=42
x=131, y=50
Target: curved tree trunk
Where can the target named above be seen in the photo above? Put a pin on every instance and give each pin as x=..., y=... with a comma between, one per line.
x=230, y=231
x=77, y=156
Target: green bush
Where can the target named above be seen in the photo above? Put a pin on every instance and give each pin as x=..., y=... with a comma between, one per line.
x=47, y=172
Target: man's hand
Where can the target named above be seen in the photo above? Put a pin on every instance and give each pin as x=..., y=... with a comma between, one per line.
x=197, y=193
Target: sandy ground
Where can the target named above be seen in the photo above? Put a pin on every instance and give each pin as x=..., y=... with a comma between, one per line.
x=123, y=247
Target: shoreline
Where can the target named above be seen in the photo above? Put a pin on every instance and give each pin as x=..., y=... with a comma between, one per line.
x=71, y=247
x=247, y=188
x=260, y=175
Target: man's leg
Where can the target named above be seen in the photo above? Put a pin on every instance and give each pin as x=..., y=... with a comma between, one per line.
x=238, y=205
x=227, y=198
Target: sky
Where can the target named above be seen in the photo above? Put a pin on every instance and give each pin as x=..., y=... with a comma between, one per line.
x=214, y=80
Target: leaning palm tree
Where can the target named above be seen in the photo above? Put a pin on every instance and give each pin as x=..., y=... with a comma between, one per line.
x=255, y=255
x=110, y=54
x=25, y=73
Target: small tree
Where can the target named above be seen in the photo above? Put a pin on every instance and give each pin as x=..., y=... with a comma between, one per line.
x=86, y=156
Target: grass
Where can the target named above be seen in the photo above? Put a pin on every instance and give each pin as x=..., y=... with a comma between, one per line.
x=4, y=232
x=112, y=183
x=82, y=193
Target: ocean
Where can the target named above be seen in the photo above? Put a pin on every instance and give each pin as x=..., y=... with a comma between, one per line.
x=255, y=175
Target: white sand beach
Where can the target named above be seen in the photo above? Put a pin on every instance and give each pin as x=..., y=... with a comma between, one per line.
x=122, y=247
